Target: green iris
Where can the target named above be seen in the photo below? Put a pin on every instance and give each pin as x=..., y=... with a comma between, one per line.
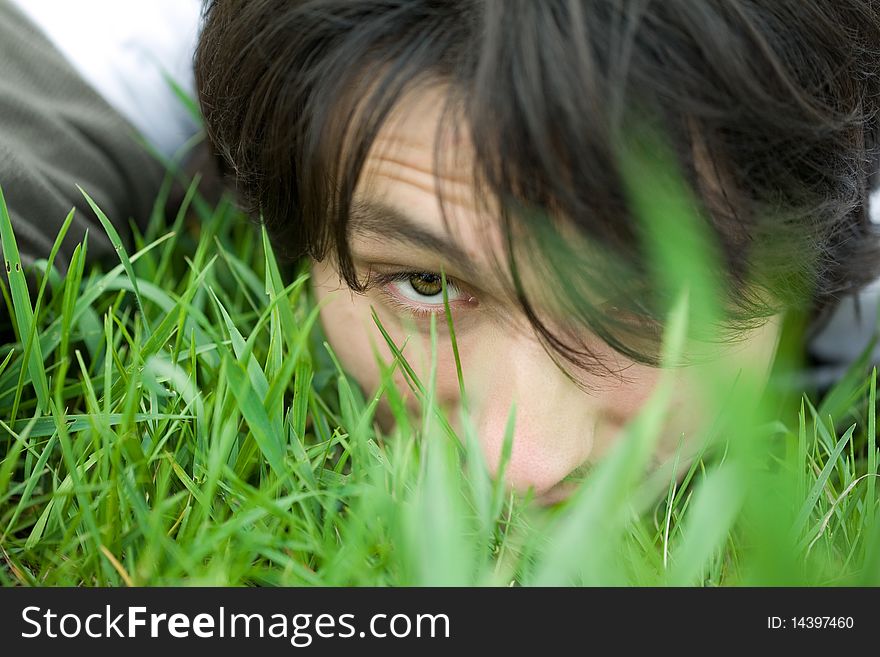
x=428, y=285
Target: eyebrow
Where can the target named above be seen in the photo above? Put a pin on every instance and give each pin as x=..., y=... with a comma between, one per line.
x=374, y=220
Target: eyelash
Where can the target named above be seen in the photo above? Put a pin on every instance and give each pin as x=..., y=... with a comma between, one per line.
x=383, y=281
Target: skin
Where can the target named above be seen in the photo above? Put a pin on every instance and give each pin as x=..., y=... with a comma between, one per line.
x=560, y=428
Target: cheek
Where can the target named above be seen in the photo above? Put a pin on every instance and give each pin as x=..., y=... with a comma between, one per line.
x=618, y=402
x=356, y=340
x=345, y=318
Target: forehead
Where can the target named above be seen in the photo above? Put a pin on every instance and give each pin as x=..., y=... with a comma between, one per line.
x=421, y=166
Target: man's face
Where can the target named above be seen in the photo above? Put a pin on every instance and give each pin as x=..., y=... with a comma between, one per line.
x=399, y=238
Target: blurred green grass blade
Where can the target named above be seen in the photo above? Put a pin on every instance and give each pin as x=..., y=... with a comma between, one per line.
x=600, y=507
x=671, y=225
x=670, y=498
x=438, y=522
x=499, y=489
x=712, y=512
x=183, y=97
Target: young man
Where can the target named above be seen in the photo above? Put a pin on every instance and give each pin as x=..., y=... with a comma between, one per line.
x=393, y=141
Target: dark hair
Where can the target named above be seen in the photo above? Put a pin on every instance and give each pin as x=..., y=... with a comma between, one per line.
x=770, y=110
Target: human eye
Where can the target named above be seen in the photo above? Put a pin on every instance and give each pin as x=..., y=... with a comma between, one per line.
x=420, y=293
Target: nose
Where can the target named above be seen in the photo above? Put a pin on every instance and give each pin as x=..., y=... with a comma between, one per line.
x=555, y=422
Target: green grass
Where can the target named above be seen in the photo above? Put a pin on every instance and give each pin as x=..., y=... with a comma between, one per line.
x=179, y=419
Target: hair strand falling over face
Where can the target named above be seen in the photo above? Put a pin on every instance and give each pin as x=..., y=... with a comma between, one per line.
x=769, y=111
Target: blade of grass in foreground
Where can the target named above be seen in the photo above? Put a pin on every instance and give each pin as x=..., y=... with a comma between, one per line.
x=716, y=502
x=584, y=541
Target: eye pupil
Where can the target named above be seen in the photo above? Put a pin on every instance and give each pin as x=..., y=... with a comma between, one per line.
x=428, y=285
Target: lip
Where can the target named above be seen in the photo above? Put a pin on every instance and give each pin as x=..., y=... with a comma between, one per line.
x=558, y=493
x=567, y=487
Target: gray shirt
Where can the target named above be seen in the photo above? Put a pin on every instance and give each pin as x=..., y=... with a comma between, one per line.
x=57, y=132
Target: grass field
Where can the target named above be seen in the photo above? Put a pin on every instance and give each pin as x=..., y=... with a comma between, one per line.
x=179, y=420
